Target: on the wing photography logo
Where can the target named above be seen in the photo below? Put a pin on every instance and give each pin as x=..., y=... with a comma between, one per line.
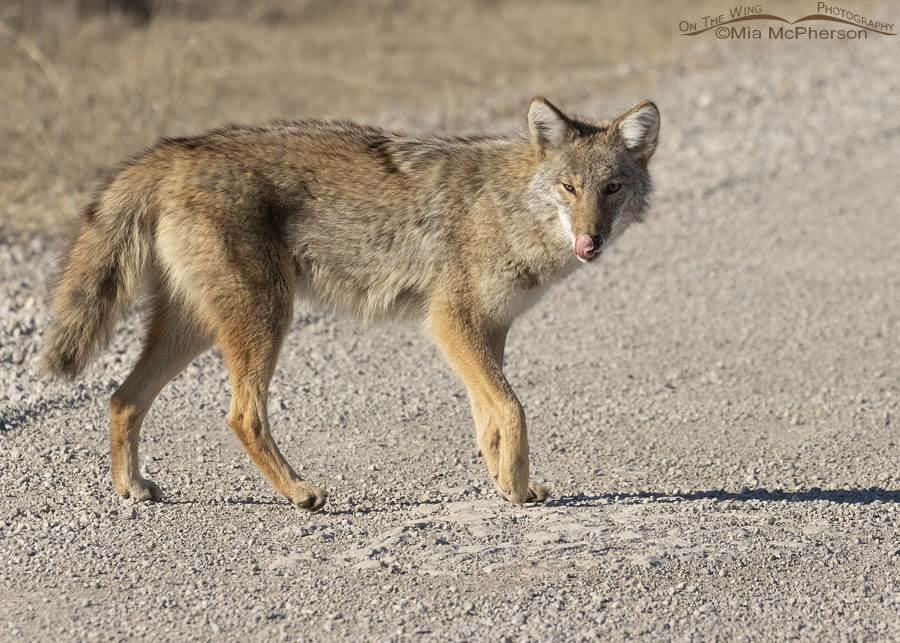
x=829, y=22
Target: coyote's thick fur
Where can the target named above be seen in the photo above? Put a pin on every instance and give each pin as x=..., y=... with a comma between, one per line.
x=226, y=229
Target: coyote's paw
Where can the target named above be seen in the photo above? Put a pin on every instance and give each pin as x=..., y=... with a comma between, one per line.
x=537, y=492
x=140, y=489
x=307, y=496
x=534, y=492
x=512, y=478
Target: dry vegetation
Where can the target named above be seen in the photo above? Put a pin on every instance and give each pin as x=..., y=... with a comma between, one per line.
x=86, y=84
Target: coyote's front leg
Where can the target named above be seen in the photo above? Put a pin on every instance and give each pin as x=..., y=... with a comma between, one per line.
x=476, y=352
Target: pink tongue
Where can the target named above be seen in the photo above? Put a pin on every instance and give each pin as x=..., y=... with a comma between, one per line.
x=584, y=246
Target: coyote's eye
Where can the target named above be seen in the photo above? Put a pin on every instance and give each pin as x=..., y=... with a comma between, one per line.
x=612, y=187
x=568, y=188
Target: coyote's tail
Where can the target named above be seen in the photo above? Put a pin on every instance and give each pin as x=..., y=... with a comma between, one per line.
x=98, y=281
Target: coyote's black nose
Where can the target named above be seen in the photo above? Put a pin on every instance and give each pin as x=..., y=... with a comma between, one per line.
x=598, y=240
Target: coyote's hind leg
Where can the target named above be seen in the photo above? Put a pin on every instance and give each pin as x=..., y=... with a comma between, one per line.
x=173, y=341
x=251, y=341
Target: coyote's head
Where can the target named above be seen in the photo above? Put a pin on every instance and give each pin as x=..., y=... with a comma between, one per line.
x=594, y=174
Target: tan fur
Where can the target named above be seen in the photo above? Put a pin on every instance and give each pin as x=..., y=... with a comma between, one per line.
x=226, y=229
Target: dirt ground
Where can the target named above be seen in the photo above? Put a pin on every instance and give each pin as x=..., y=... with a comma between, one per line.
x=713, y=407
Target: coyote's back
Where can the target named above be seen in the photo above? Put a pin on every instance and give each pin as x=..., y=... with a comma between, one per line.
x=175, y=217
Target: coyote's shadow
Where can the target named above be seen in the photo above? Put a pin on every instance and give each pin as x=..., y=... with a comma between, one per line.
x=841, y=496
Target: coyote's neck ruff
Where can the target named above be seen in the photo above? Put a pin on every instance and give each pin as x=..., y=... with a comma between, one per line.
x=226, y=229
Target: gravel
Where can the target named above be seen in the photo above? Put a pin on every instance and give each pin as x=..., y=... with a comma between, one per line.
x=716, y=420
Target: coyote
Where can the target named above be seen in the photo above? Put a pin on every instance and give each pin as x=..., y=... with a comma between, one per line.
x=224, y=230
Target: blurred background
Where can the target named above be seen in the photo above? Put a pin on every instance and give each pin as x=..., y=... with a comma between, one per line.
x=85, y=83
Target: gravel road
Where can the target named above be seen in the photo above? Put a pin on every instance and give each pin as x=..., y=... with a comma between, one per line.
x=714, y=409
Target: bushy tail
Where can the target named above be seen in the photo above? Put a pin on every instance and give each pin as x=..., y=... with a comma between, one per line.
x=98, y=282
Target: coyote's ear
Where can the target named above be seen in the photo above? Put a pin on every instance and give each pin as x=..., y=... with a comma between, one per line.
x=547, y=126
x=639, y=129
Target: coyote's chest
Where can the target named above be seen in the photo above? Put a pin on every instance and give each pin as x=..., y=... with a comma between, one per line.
x=521, y=283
